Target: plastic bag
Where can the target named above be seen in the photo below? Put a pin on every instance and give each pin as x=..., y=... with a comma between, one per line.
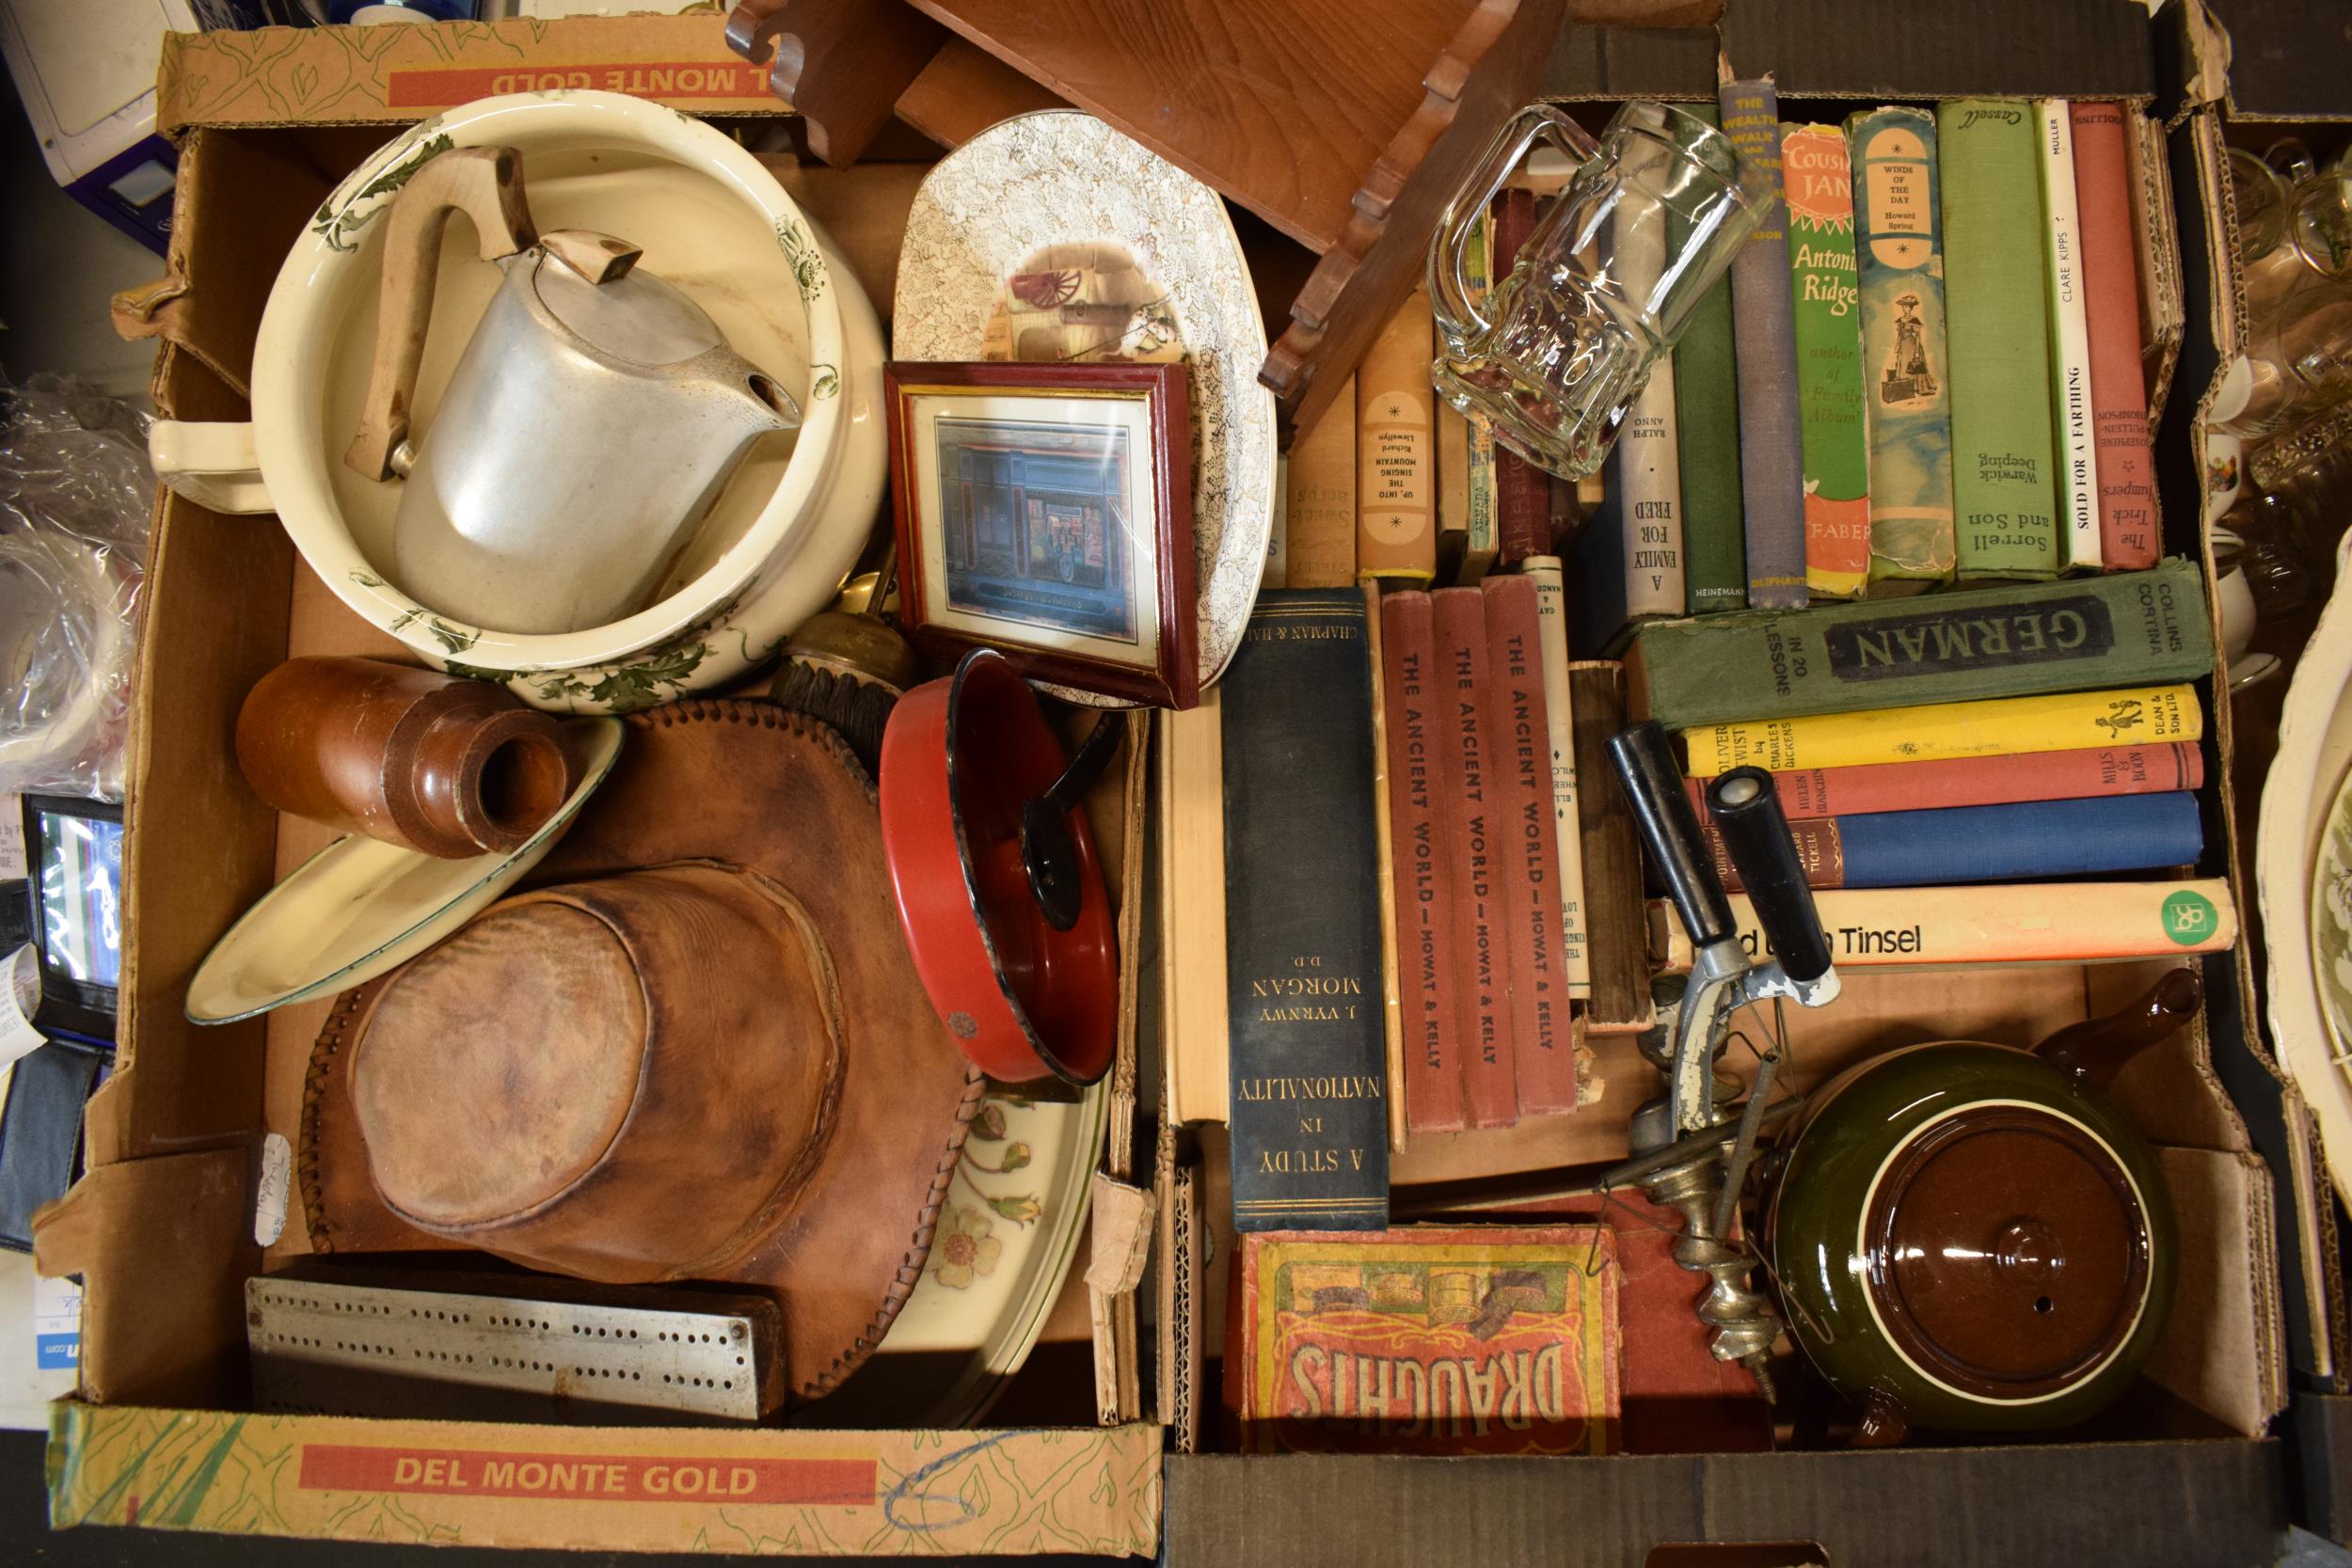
x=75, y=496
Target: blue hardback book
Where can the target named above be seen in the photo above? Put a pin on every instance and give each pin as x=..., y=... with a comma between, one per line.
x=1308, y=1024
x=2032, y=839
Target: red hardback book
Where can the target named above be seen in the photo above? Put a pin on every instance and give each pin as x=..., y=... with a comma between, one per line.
x=2129, y=537
x=1518, y=726
x=1425, y=915
x=1982, y=781
x=1522, y=491
x=1473, y=817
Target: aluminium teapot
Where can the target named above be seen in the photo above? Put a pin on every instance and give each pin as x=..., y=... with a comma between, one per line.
x=592, y=420
x=1972, y=1236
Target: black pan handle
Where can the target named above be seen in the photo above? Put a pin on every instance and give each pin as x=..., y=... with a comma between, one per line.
x=1746, y=809
x=1645, y=761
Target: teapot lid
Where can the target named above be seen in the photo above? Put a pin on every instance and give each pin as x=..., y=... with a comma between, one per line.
x=2009, y=1251
x=630, y=314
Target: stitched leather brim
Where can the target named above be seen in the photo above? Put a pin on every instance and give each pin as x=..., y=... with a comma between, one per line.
x=750, y=784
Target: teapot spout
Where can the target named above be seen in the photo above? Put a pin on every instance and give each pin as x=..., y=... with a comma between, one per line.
x=2094, y=1051
x=751, y=395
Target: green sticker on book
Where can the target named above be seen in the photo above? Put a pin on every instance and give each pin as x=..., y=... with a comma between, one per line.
x=2189, y=918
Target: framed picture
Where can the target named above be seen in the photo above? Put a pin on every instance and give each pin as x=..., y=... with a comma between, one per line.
x=1045, y=510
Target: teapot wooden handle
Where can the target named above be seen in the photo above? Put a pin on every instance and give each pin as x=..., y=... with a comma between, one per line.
x=486, y=184
x=2095, y=1050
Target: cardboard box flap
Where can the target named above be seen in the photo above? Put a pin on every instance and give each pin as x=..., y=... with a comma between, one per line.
x=829, y=1494
x=2224, y=1351
x=387, y=75
x=1991, y=48
x=2284, y=58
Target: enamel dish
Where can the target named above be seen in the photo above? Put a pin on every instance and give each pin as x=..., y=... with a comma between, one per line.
x=1053, y=237
x=361, y=907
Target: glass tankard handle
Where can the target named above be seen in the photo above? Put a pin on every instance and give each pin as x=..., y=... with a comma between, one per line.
x=1449, y=295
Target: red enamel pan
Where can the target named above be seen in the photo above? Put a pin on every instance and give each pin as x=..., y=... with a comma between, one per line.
x=998, y=885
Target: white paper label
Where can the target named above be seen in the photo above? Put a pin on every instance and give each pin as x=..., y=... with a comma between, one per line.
x=11, y=837
x=269, y=1202
x=57, y=1324
x=20, y=999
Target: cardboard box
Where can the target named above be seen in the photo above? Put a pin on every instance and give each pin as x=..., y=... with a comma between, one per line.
x=162, y=1228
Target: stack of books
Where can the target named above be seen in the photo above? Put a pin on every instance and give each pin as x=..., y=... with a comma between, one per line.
x=1926, y=372
x=1941, y=762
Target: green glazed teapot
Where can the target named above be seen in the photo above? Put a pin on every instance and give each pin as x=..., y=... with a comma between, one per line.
x=1971, y=1237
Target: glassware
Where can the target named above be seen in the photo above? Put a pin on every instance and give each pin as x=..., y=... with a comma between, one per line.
x=2260, y=199
x=1558, y=350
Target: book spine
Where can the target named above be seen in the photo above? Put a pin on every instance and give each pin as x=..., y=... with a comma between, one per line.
x=1451, y=464
x=1551, y=606
x=1522, y=490
x=2128, y=536
x=1425, y=919
x=2120, y=629
x=1528, y=847
x=1473, y=796
x=2074, y=721
x=1478, y=479
x=1898, y=263
x=1706, y=420
x=1320, y=547
x=2069, y=342
x=1303, y=926
x=1764, y=336
x=1818, y=792
x=1611, y=848
x=2004, y=495
x=1827, y=303
x=1396, y=523
x=2020, y=922
x=1190, y=759
x=1942, y=846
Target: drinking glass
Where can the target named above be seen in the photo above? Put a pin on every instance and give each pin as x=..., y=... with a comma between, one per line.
x=1556, y=353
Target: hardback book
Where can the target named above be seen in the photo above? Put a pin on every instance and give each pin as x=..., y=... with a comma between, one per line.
x=2072, y=720
x=1188, y=763
x=1319, y=547
x=1611, y=848
x=1764, y=337
x=1522, y=490
x=2004, y=483
x=2075, y=437
x=1552, y=605
x=2120, y=629
x=1528, y=846
x=1391, y=991
x=1832, y=437
x=1474, y=802
x=1451, y=462
x=1396, y=503
x=1706, y=420
x=1475, y=1340
x=1478, y=441
x=1906, y=377
x=1982, y=781
x=2013, y=923
x=1426, y=919
x=2128, y=534
x=1940, y=845
x=1309, y=1032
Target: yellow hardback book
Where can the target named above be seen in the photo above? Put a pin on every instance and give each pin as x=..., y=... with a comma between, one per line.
x=2137, y=715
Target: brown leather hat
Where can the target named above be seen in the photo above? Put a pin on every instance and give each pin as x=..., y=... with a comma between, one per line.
x=697, y=1051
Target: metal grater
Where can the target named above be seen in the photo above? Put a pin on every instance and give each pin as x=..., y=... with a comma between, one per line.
x=362, y=1350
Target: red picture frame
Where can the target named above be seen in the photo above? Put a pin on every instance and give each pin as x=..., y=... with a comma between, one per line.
x=1015, y=500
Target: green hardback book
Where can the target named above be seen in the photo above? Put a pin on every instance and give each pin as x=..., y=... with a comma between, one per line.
x=1706, y=408
x=1836, y=446
x=2126, y=628
x=2003, y=486
x=1898, y=252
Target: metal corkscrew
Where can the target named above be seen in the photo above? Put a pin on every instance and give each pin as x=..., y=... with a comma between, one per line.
x=1706, y=1146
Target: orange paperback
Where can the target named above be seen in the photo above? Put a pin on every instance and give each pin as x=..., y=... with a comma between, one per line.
x=1429, y=1340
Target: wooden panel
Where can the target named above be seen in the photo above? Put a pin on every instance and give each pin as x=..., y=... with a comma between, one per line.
x=841, y=64
x=964, y=90
x=1283, y=107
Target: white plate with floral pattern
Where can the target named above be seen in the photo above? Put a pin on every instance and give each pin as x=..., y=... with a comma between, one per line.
x=1053, y=237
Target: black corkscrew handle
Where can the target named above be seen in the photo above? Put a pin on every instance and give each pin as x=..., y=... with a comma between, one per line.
x=1746, y=809
x=1644, y=762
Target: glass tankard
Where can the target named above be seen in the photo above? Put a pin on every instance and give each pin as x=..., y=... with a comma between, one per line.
x=1555, y=353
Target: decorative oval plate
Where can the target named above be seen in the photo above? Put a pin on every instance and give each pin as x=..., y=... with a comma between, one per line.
x=1053, y=237
x=1007, y=1232
x=2302, y=847
x=359, y=908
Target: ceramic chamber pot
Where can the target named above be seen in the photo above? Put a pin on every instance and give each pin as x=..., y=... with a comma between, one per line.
x=782, y=534
x=1971, y=1237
